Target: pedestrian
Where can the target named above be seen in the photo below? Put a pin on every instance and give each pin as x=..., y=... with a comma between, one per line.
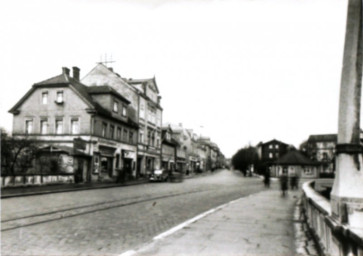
x=284, y=182
x=266, y=179
x=293, y=182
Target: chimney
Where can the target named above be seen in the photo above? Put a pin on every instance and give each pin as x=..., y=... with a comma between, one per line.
x=111, y=69
x=159, y=98
x=76, y=72
x=65, y=71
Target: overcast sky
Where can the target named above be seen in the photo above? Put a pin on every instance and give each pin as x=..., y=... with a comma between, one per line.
x=245, y=70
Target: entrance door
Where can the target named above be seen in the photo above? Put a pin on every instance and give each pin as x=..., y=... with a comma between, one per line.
x=79, y=171
x=138, y=167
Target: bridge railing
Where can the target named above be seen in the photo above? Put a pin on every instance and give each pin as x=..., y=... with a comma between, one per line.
x=333, y=238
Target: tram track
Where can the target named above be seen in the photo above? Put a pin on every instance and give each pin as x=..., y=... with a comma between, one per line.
x=44, y=217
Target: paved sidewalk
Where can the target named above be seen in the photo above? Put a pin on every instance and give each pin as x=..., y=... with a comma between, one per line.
x=260, y=224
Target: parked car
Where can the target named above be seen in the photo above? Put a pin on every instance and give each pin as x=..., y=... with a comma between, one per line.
x=159, y=175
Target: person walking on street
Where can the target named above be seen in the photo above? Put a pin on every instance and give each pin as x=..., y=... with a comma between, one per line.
x=266, y=179
x=284, y=182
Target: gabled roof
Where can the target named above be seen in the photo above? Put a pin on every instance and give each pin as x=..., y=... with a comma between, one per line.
x=323, y=138
x=143, y=81
x=83, y=91
x=274, y=141
x=294, y=157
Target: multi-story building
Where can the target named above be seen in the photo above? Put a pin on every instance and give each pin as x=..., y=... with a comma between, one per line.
x=206, y=144
x=321, y=148
x=178, y=134
x=88, y=129
x=168, y=150
x=144, y=98
x=269, y=152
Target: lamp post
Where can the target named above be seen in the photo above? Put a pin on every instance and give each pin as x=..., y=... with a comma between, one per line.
x=347, y=192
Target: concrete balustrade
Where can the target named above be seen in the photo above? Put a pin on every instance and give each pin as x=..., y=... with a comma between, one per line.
x=333, y=237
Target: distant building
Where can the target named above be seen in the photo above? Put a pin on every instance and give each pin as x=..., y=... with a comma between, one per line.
x=294, y=163
x=272, y=150
x=88, y=129
x=321, y=148
x=168, y=150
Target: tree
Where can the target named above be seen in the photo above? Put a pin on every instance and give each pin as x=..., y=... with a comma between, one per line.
x=17, y=153
x=244, y=158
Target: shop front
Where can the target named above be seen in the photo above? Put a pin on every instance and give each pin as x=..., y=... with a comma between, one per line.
x=129, y=163
x=103, y=163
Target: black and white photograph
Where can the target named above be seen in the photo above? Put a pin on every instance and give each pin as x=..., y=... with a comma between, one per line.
x=181, y=127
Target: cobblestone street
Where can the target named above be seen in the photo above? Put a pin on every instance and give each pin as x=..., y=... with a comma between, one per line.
x=111, y=221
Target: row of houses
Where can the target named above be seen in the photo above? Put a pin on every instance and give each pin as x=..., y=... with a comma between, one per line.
x=101, y=125
x=315, y=158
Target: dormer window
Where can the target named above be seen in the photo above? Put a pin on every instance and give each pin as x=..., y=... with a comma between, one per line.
x=124, y=110
x=45, y=98
x=59, y=97
x=115, y=106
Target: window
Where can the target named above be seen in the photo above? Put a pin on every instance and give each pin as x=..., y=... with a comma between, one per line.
x=142, y=110
x=148, y=137
x=125, y=135
x=277, y=146
x=74, y=125
x=141, y=137
x=59, y=126
x=28, y=126
x=43, y=126
x=112, y=132
x=270, y=155
x=124, y=110
x=60, y=97
x=115, y=106
x=104, y=128
x=153, y=139
x=270, y=146
x=118, y=133
x=45, y=98
x=277, y=155
x=131, y=137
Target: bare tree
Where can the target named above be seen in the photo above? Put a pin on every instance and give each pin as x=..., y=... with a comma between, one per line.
x=17, y=153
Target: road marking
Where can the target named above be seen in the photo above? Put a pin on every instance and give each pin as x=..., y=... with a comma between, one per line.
x=180, y=226
x=188, y=222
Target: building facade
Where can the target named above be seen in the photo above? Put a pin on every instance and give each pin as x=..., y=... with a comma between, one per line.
x=146, y=111
x=88, y=129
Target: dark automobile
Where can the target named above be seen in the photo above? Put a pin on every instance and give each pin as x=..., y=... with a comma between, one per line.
x=159, y=175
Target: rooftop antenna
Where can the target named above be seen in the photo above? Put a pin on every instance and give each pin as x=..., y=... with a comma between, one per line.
x=105, y=61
